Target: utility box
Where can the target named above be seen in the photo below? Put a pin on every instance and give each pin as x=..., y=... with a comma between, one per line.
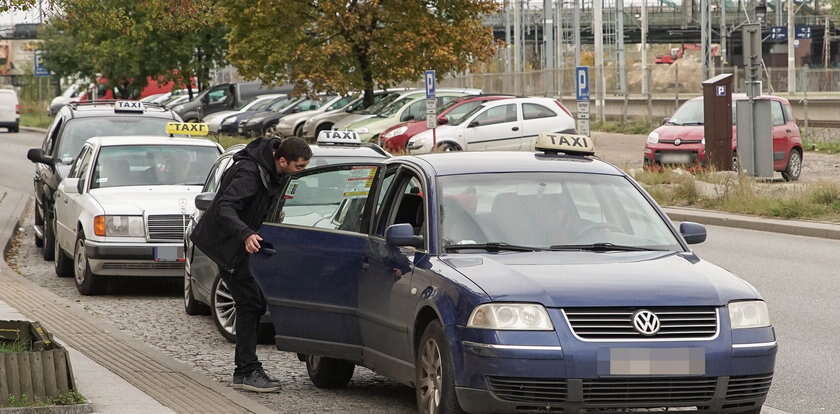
x=717, y=121
x=755, y=140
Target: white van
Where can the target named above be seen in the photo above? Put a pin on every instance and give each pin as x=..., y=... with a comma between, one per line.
x=9, y=110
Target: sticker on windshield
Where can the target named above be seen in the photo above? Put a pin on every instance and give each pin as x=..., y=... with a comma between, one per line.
x=102, y=180
x=356, y=193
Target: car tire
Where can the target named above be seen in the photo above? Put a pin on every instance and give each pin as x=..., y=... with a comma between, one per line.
x=63, y=264
x=448, y=147
x=47, y=251
x=299, y=131
x=223, y=309
x=87, y=283
x=794, y=166
x=191, y=305
x=329, y=373
x=434, y=377
x=322, y=127
x=39, y=221
x=15, y=129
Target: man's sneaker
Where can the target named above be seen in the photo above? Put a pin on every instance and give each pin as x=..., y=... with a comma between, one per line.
x=272, y=379
x=256, y=381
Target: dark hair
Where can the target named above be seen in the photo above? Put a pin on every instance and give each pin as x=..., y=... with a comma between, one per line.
x=292, y=149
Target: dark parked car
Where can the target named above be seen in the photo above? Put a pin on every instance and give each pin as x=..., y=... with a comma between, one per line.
x=224, y=97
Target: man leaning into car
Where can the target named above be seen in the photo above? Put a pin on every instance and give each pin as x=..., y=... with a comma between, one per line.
x=227, y=233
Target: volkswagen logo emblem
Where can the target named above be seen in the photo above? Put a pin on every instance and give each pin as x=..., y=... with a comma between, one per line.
x=677, y=141
x=646, y=322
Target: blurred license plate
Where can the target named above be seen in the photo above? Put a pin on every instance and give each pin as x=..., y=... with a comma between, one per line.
x=169, y=254
x=675, y=158
x=657, y=361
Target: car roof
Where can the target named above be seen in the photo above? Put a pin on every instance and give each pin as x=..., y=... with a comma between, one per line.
x=149, y=140
x=100, y=108
x=457, y=163
x=364, y=150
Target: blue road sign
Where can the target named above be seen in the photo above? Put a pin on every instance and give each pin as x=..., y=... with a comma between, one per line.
x=431, y=84
x=803, y=32
x=582, y=83
x=39, y=69
x=778, y=33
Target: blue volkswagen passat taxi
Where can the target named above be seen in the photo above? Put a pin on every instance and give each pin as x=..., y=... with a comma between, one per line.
x=510, y=282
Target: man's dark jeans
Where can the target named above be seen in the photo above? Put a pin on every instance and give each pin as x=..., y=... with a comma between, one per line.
x=250, y=307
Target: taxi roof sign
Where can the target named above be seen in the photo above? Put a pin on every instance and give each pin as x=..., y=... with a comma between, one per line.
x=339, y=137
x=187, y=128
x=565, y=143
x=129, y=106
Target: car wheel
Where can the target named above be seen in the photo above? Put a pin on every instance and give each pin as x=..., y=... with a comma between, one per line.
x=39, y=221
x=329, y=372
x=794, y=166
x=435, y=382
x=223, y=309
x=269, y=130
x=299, y=131
x=63, y=264
x=192, y=306
x=448, y=147
x=87, y=283
x=736, y=165
x=47, y=250
x=322, y=127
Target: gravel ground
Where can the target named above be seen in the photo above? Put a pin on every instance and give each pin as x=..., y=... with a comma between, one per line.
x=152, y=311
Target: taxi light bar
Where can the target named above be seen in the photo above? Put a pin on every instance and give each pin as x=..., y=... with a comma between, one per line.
x=99, y=226
x=129, y=106
x=187, y=128
x=339, y=137
x=565, y=143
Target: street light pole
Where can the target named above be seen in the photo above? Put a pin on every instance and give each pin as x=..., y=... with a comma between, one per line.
x=597, y=22
x=645, y=74
x=548, y=38
x=791, y=58
x=576, y=30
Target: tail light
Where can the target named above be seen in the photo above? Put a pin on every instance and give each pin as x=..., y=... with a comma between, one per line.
x=99, y=225
x=564, y=109
x=17, y=109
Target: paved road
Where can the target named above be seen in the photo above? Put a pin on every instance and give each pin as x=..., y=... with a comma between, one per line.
x=15, y=169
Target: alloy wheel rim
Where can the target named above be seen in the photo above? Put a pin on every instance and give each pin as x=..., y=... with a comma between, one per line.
x=431, y=376
x=80, y=263
x=225, y=307
x=313, y=361
x=796, y=163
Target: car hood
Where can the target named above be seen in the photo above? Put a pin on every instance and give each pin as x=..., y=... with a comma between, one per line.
x=350, y=119
x=684, y=132
x=580, y=279
x=261, y=117
x=153, y=199
x=374, y=124
x=217, y=117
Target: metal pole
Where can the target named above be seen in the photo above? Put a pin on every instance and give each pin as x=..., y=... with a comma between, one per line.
x=779, y=12
x=645, y=73
x=517, y=46
x=576, y=30
x=704, y=39
x=791, y=58
x=508, y=56
x=826, y=45
x=619, y=45
x=560, y=61
x=723, y=35
x=548, y=38
x=598, y=28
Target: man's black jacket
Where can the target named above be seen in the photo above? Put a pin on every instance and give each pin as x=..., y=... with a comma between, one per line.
x=247, y=191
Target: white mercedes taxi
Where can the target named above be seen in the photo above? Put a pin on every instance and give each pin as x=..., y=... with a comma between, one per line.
x=123, y=208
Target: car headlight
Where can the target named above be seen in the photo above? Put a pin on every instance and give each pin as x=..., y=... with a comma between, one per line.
x=749, y=314
x=653, y=138
x=362, y=131
x=703, y=140
x=510, y=316
x=399, y=131
x=119, y=226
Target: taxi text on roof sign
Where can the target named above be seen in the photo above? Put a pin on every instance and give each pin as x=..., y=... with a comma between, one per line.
x=565, y=143
x=338, y=137
x=129, y=106
x=187, y=128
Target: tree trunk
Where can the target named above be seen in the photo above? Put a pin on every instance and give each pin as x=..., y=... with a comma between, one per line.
x=367, y=74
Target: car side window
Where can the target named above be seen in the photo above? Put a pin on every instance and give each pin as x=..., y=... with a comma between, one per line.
x=215, y=175
x=341, y=103
x=335, y=199
x=408, y=204
x=788, y=113
x=776, y=113
x=77, y=165
x=49, y=143
x=383, y=191
x=535, y=111
x=415, y=111
x=84, y=167
x=496, y=115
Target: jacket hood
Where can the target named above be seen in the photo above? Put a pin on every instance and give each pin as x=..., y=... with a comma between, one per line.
x=261, y=150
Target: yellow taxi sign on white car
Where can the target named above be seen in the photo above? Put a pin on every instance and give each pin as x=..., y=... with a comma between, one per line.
x=565, y=143
x=129, y=106
x=339, y=137
x=187, y=128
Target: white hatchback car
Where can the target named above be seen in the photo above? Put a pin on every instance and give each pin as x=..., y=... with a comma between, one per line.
x=501, y=125
x=123, y=208
x=9, y=110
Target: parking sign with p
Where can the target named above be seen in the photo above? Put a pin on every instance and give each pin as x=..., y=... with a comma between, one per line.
x=582, y=83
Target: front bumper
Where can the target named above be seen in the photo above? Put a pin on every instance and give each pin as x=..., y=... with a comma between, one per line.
x=659, y=154
x=284, y=130
x=132, y=259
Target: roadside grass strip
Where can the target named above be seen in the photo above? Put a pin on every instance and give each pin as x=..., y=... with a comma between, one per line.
x=637, y=127
x=11, y=347
x=32, y=114
x=730, y=192
x=67, y=398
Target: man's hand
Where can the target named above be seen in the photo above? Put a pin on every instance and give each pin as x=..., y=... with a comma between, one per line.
x=252, y=243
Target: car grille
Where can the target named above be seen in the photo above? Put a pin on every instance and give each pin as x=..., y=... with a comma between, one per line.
x=655, y=391
x=143, y=266
x=167, y=227
x=530, y=390
x=749, y=386
x=616, y=324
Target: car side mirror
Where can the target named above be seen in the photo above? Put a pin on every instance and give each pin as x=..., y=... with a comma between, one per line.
x=693, y=233
x=665, y=120
x=442, y=120
x=204, y=200
x=37, y=155
x=407, y=117
x=473, y=124
x=402, y=235
x=72, y=185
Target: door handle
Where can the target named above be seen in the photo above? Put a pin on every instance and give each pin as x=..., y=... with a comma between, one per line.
x=267, y=249
x=365, y=263
x=788, y=131
x=515, y=129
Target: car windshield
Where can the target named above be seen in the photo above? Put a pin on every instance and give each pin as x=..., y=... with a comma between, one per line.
x=79, y=130
x=395, y=106
x=690, y=113
x=460, y=112
x=377, y=106
x=278, y=104
x=132, y=165
x=549, y=210
x=258, y=105
x=474, y=110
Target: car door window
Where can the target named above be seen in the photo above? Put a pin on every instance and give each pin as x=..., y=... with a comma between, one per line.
x=85, y=167
x=776, y=113
x=215, y=175
x=534, y=111
x=408, y=204
x=77, y=165
x=383, y=191
x=496, y=115
x=415, y=111
x=49, y=143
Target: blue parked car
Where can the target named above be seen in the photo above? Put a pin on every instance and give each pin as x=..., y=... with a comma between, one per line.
x=510, y=282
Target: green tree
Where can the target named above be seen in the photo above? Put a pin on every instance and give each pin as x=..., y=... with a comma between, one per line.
x=344, y=45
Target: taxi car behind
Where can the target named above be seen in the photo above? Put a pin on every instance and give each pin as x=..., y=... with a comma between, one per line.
x=511, y=282
x=204, y=291
x=124, y=205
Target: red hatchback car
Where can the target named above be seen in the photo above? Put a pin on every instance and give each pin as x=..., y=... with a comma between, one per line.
x=395, y=138
x=680, y=139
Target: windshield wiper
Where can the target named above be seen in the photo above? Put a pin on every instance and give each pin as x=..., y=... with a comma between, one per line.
x=493, y=247
x=692, y=123
x=601, y=247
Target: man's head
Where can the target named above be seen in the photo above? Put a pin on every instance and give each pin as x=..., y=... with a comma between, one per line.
x=292, y=155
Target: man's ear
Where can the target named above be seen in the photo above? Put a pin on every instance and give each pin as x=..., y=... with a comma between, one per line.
x=281, y=162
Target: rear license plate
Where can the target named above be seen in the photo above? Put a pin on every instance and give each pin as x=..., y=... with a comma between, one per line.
x=657, y=361
x=675, y=158
x=169, y=254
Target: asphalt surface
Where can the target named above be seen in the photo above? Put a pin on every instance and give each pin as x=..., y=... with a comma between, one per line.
x=15, y=169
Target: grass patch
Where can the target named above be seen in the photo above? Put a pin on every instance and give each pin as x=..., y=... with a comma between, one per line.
x=228, y=141
x=16, y=346
x=828, y=147
x=635, y=127
x=67, y=398
x=33, y=114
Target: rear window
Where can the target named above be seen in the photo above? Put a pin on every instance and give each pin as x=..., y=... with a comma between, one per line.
x=79, y=130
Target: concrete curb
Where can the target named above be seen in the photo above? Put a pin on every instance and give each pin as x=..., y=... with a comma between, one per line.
x=793, y=227
x=33, y=129
x=50, y=409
